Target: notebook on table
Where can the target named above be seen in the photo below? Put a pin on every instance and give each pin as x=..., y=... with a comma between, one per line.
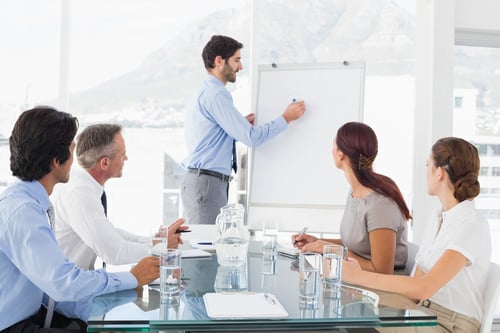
x=289, y=252
x=233, y=305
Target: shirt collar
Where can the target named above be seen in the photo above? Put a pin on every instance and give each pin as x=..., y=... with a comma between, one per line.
x=36, y=190
x=458, y=209
x=87, y=177
x=213, y=80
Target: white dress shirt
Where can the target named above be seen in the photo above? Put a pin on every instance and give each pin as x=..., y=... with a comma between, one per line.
x=84, y=232
x=463, y=230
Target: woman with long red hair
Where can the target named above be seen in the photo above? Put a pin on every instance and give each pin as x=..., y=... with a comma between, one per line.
x=374, y=224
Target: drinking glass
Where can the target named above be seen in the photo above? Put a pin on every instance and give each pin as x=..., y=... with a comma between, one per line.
x=170, y=273
x=309, y=276
x=332, y=265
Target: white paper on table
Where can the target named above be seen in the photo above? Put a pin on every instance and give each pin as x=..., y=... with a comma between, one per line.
x=233, y=305
x=185, y=253
x=290, y=252
x=194, y=253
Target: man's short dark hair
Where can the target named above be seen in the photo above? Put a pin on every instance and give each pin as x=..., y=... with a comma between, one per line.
x=219, y=45
x=40, y=135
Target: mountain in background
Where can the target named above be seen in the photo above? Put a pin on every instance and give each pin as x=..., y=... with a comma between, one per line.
x=166, y=80
x=159, y=90
x=157, y=93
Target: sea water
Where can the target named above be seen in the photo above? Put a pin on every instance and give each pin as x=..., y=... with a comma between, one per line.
x=231, y=251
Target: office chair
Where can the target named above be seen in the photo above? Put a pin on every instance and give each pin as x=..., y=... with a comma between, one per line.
x=412, y=252
x=490, y=297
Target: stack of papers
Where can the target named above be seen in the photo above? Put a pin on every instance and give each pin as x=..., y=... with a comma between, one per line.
x=243, y=305
x=290, y=252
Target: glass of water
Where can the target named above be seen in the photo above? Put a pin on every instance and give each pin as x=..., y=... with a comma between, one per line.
x=332, y=265
x=231, y=279
x=170, y=273
x=309, y=277
x=269, y=247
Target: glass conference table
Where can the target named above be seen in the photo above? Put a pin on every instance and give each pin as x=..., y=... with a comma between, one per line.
x=142, y=309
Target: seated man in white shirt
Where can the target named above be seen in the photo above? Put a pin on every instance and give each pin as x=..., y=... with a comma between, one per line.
x=82, y=228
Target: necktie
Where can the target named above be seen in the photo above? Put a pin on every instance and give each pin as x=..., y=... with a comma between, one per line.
x=52, y=218
x=234, y=164
x=104, y=202
x=52, y=303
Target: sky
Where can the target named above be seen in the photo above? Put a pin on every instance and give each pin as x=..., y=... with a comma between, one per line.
x=30, y=30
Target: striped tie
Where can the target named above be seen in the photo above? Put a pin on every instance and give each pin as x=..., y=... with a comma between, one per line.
x=52, y=303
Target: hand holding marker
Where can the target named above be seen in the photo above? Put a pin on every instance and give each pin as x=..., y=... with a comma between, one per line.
x=294, y=111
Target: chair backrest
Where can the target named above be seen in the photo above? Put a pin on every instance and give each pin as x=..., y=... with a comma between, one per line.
x=412, y=252
x=490, y=297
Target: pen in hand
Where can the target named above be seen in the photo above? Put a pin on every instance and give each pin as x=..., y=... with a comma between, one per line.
x=178, y=231
x=301, y=233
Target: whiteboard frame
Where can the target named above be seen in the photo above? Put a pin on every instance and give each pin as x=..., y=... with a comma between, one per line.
x=292, y=216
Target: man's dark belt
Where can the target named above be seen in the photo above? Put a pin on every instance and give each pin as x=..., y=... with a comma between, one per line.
x=216, y=174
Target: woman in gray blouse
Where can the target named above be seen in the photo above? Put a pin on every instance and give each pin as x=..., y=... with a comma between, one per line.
x=374, y=224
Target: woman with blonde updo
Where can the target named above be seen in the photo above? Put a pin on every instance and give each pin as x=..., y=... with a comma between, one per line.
x=374, y=223
x=449, y=279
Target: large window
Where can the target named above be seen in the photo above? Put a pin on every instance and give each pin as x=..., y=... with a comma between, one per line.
x=138, y=64
x=29, y=64
x=379, y=33
x=477, y=84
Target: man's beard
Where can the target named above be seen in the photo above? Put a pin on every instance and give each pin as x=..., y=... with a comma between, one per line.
x=229, y=74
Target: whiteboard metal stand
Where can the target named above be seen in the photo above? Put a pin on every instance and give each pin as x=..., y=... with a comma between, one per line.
x=292, y=178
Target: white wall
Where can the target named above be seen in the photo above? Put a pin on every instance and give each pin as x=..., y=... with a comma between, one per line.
x=433, y=119
x=477, y=14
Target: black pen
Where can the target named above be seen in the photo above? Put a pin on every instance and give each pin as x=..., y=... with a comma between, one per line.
x=179, y=231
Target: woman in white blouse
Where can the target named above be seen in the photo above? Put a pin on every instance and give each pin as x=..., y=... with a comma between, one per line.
x=449, y=279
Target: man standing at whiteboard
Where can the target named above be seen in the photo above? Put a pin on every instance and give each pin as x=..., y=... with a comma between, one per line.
x=212, y=128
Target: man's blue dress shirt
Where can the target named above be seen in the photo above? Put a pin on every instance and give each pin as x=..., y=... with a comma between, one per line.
x=214, y=123
x=31, y=263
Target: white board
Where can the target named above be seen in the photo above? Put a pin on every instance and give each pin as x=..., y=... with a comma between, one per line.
x=295, y=170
